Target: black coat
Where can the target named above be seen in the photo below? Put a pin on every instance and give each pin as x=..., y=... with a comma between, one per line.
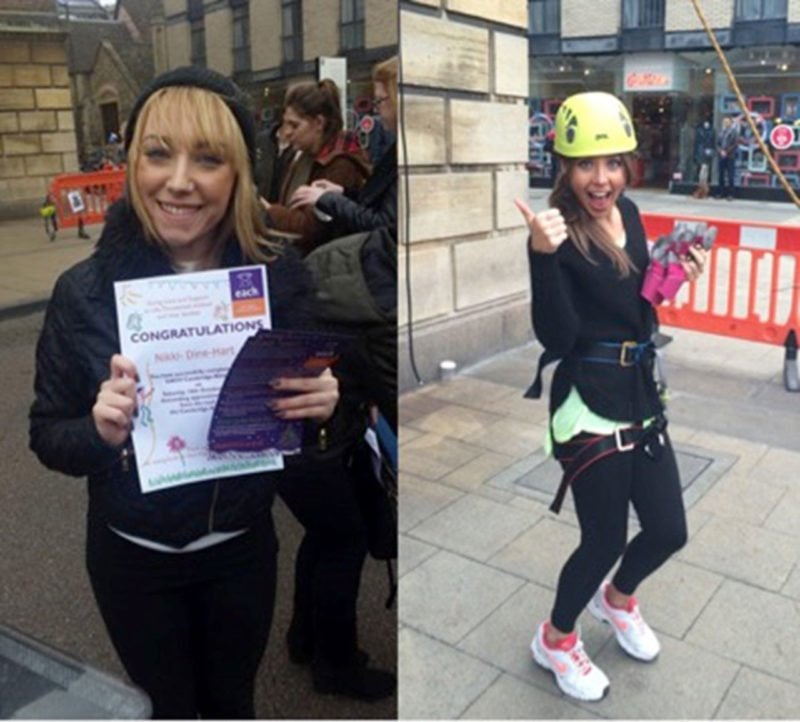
x=79, y=337
x=576, y=302
x=375, y=206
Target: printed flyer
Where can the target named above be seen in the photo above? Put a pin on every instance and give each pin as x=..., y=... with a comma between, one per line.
x=184, y=332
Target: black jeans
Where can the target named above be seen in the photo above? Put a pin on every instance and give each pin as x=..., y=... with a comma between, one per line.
x=330, y=557
x=726, y=176
x=190, y=628
x=602, y=494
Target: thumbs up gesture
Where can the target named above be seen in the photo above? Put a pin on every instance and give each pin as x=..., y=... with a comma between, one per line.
x=548, y=228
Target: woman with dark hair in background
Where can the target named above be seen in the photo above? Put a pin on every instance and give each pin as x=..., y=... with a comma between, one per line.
x=312, y=119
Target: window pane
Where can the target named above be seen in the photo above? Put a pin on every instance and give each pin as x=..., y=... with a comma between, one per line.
x=536, y=10
x=749, y=9
x=359, y=12
x=551, y=24
x=774, y=9
x=288, y=26
x=347, y=14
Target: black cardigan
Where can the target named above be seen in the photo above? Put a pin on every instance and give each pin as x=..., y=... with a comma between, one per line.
x=576, y=302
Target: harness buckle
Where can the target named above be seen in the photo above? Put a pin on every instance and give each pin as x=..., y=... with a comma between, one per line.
x=625, y=346
x=620, y=445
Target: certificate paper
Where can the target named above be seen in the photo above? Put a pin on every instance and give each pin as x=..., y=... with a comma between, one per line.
x=183, y=332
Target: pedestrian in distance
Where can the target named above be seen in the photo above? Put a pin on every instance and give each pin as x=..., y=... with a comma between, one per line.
x=588, y=255
x=727, y=142
x=312, y=120
x=184, y=577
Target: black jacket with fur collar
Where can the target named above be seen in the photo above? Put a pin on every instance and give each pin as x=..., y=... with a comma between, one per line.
x=79, y=337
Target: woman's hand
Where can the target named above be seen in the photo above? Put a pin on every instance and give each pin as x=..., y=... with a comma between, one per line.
x=305, y=196
x=116, y=402
x=316, y=397
x=694, y=263
x=328, y=186
x=548, y=228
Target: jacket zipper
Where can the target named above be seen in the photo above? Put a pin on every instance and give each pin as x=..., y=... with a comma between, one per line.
x=211, y=508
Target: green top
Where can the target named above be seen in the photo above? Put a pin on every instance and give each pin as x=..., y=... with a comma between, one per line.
x=574, y=417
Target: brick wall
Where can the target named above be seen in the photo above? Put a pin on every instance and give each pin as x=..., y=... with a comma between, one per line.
x=37, y=138
x=465, y=87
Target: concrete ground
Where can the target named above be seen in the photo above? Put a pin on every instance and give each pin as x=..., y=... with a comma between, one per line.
x=480, y=552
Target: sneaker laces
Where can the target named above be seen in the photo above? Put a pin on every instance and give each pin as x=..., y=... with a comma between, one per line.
x=580, y=658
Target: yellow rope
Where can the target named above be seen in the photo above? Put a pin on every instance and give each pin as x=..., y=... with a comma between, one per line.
x=743, y=106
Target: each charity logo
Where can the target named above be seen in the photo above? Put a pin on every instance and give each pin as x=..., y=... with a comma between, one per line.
x=247, y=293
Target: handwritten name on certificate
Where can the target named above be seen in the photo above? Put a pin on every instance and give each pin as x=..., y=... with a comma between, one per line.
x=183, y=332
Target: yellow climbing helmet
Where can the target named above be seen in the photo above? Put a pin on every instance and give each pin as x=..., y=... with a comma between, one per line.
x=595, y=123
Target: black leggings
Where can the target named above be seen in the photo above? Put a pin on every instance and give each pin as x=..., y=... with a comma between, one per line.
x=602, y=494
x=330, y=557
x=189, y=628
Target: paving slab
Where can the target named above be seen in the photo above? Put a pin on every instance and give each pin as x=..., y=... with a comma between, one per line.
x=437, y=681
x=411, y=553
x=792, y=586
x=785, y=516
x=406, y=434
x=508, y=436
x=472, y=475
x=420, y=498
x=755, y=695
x=741, y=551
x=473, y=526
x=753, y=627
x=432, y=456
x=447, y=595
x=455, y=421
x=684, y=682
x=511, y=698
x=673, y=597
x=539, y=553
x=735, y=496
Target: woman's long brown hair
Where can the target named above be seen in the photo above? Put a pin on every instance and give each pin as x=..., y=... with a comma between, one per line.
x=584, y=231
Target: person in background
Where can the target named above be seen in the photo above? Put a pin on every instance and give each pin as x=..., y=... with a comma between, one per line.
x=313, y=120
x=273, y=156
x=184, y=577
x=587, y=254
x=727, y=142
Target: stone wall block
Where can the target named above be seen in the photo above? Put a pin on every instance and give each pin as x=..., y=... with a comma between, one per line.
x=49, y=52
x=266, y=53
x=32, y=76
x=431, y=284
x=23, y=144
x=508, y=12
x=70, y=162
x=219, y=40
x=442, y=54
x=60, y=75
x=174, y=7
x=429, y=3
x=24, y=189
x=6, y=76
x=38, y=120
x=510, y=184
x=15, y=51
x=66, y=120
x=9, y=122
x=12, y=167
x=17, y=99
x=490, y=269
x=380, y=23
x=488, y=132
x=588, y=18
x=43, y=164
x=450, y=204
x=53, y=98
x=320, y=29
x=58, y=142
x=178, y=43
x=424, y=131
x=511, y=64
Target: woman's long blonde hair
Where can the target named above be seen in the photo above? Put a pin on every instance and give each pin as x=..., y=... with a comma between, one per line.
x=201, y=118
x=584, y=231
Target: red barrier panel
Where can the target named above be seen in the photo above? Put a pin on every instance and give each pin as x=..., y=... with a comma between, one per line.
x=750, y=288
x=85, y=197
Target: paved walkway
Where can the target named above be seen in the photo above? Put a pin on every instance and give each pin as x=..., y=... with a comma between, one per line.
x=480, y=552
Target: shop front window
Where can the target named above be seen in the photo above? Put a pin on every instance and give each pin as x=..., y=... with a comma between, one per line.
x=749, y=10
x=642, y=14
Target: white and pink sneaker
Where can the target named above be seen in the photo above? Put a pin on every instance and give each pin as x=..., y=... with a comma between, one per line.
x=575, y=673
x=632, y=632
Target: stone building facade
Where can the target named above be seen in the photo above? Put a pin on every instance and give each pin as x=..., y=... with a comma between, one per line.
x=465, y=126
x=37, y=138
x=267, y=44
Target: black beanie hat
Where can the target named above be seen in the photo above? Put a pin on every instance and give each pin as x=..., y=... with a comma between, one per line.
x=194, y=76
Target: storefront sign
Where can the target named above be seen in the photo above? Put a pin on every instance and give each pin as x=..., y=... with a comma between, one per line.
x=654, y=73
x=781, y=137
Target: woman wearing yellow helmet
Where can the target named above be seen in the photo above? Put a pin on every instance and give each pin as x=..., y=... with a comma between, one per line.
x=588, y=253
